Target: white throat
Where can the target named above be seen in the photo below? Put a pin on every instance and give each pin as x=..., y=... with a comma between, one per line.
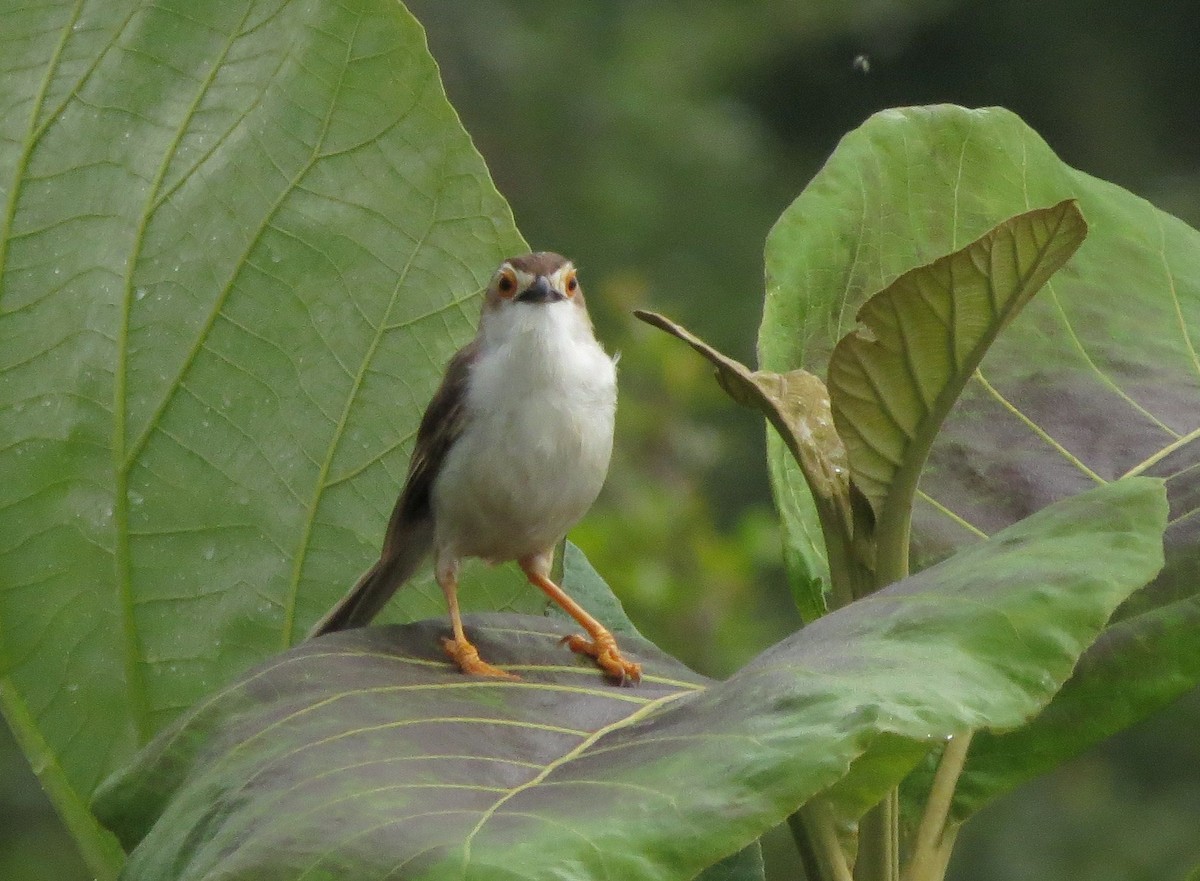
x=541, y=355
x=536, y=326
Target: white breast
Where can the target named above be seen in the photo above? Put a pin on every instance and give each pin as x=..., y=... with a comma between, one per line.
x=535, y=449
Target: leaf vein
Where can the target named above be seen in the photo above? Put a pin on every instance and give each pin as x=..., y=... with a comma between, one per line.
x=1183, y=327
x=1037, y=429
x=1105, y=380
x=570, y=755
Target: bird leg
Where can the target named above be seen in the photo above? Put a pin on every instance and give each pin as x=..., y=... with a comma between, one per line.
x=460, y=649
x=602, y=646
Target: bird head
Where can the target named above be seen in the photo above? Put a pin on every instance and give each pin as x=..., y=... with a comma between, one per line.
x=532, y=281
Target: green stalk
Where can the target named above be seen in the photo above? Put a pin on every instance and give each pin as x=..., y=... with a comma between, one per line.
x=879, y=830
x=807, y=848
x=849, y=577
x=931, y=850
x=879, y=841
x=816, y=838
x=891, y=542
x=98, y=846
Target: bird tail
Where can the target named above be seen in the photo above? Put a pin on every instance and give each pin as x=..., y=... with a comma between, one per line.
x=372, y=591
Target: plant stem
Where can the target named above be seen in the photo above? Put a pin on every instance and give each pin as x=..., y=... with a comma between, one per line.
x=99, y=847
x=891, y=562
x=848, y=578
x=807, y=849
x=931, y=850
x=816, y=838
x=945, y=849
x=879, y=841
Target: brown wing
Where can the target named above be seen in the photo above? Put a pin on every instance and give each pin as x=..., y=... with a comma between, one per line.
x=439, y=429
x=410, y=531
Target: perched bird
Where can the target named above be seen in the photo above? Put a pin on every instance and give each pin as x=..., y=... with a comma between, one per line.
x=511, y=452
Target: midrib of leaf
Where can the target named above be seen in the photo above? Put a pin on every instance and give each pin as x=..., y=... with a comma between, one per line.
x=859, y=243
x=123, y=462
x=100, y=849
x=1183, y=328
x=560, y=761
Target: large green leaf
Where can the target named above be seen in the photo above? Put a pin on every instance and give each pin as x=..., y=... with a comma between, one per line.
x=387, y=759
x=1097, y=378
x=893, y=379
x=238, y=242
x=999, y=762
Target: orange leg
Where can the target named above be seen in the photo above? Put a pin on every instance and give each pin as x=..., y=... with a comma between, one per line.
x=601, y=646
x=459, y=648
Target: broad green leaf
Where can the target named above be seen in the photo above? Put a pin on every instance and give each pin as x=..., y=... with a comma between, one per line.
x=239, y=241
x=388, y=759
x=893, y=379
x=1149, y=643
x=1097, y=378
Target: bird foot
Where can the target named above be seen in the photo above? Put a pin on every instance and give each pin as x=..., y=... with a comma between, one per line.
x=608, y=657
x=467, y=657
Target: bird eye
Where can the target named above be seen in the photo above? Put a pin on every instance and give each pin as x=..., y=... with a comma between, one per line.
x=507, y=283
x=572, y=284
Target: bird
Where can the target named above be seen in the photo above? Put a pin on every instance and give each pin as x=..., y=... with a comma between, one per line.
x=510, y=453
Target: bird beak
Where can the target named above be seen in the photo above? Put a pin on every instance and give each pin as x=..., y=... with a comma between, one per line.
x=541, y=291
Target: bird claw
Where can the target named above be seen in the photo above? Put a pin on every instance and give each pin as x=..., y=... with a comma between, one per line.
x=466, y=656
x=607, y=656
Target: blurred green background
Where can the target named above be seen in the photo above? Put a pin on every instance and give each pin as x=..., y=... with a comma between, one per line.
x=656, y=144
